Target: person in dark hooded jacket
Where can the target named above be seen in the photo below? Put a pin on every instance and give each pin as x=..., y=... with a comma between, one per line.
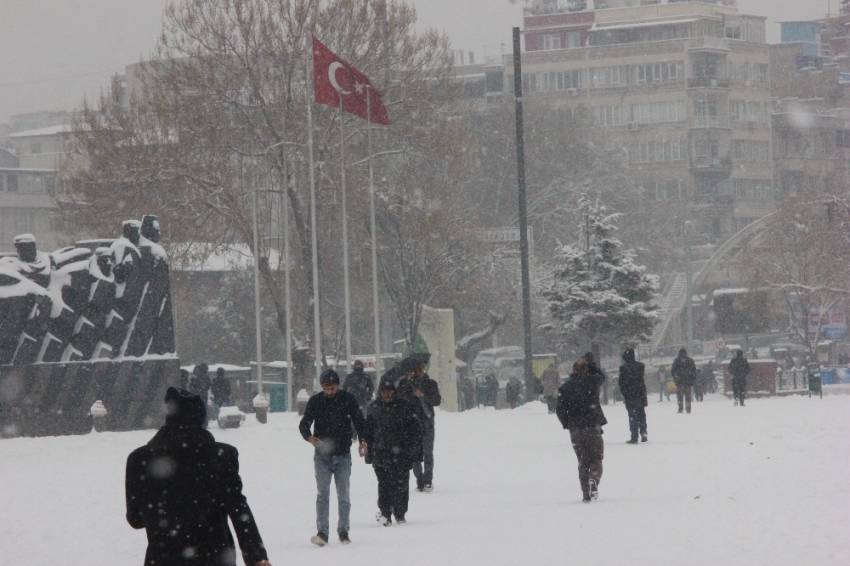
x=395, y=446
x=221, y=388
x=684, y=372
x=580, y=412
x=423, y=394
x=360, y=385
x=183, y=486
x=633, y=390
x=739, y=368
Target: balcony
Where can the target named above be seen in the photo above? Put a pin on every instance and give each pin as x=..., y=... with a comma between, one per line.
x=712, y=44
x=709, y=82
x=712, y=165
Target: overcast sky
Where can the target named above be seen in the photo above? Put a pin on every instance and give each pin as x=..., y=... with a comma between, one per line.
x=55, y=52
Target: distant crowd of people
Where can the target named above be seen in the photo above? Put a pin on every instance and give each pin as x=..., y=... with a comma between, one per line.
x=183, y=487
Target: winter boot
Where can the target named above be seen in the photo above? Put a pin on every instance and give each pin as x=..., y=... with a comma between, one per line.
x=585, y=498
x=319, y=539
x=643, y=438
x=386, y=521
x=632, y=440
x=400, y=520
x=428, y=487
x=343, y=537
x=593, y=489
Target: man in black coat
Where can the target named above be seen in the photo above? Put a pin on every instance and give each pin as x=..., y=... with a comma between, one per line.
x=633, y=390
x=331, y=414
x=423, y=394
x=579, y=411
x=221, y=388
x=182, y=487
x=684, y=372
x=739, y=368
x=395, y=444
x=201, y=382
x=360, y=385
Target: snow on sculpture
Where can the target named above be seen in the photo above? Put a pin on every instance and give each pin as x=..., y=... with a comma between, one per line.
x=97, y=300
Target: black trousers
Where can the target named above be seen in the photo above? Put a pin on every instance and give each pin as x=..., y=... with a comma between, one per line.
x=739, y=389
x=637, y=419
x=684, y=392
x=589, y=448
x=393, y=489
x=424, y=470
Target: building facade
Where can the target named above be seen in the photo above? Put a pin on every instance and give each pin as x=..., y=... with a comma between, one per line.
x=683, y=86
x=26, y=203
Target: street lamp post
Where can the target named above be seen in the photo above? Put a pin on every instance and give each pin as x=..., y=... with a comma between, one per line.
x=686, y=233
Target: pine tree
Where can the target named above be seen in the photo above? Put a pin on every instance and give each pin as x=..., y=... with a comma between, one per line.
x=597, y=292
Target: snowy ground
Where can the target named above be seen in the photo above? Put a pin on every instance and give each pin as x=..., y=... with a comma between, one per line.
x=768, y=484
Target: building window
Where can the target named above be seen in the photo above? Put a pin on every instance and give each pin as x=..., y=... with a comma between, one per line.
x=667, y=190
x=35, y=148
x=12, y=183
x=707, y=112
x=671, y=71
x=658, y=151
x=573, y=39
x=659, y=112
x=751, y=151
x=552, y=41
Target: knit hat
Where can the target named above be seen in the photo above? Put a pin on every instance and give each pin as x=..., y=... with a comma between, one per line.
x=184, y=408
x=329, y=377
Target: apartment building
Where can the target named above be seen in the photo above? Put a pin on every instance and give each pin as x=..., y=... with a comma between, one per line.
x=684, y=86
x=26, y=203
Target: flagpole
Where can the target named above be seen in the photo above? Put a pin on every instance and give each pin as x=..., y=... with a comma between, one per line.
x=314, y=236
x=345, y=241
x=373, y=230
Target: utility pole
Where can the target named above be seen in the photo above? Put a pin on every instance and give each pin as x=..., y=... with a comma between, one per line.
x=686, y=231
x=523, y=213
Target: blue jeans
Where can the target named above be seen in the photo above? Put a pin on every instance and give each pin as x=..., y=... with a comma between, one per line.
x=339, y=467
x=637, y=419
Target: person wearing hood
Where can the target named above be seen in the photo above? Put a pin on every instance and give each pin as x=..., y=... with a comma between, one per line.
x=580, y=412
x=423, y=394
x=330, y=414
x=633, y=390
x=183, y=486
x=360, y=385
x=739, y=369
x=395, y=446
x=684, y=372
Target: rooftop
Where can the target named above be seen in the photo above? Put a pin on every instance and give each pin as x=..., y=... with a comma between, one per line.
x=49, y=131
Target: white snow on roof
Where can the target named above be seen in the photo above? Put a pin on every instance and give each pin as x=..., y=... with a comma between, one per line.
x=49, y=131
x=740, y=291
x=603, y=27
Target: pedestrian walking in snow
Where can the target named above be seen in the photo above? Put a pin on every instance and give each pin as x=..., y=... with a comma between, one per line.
x=739, y=369
x=684, y=372
x=183, y=486
x=661, y=377
x=221, y=389
x=705, y=377
x=395, y=445
x=633, y=390
x=513, y=390
x=360, y=385
x=331, y=414
x=551, y=381
x=580, y=412
x=200, y=383
x=491, y=387
x=423, y=394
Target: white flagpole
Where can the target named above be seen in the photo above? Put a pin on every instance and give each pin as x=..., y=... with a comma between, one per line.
x=284, y=210
x=373, y=229
x=345, y=241
x=317, y=321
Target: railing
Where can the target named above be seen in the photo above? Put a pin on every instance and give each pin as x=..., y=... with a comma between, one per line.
x=709, y=82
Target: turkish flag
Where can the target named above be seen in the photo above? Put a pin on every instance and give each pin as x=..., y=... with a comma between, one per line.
x=336, y=82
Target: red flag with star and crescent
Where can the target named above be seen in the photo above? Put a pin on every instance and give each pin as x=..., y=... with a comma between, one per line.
x=336, y=82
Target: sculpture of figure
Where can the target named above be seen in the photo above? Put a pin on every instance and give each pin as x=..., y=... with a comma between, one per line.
x=30, y=262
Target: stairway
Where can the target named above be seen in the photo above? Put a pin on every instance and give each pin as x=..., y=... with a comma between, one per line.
x=669, y=309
